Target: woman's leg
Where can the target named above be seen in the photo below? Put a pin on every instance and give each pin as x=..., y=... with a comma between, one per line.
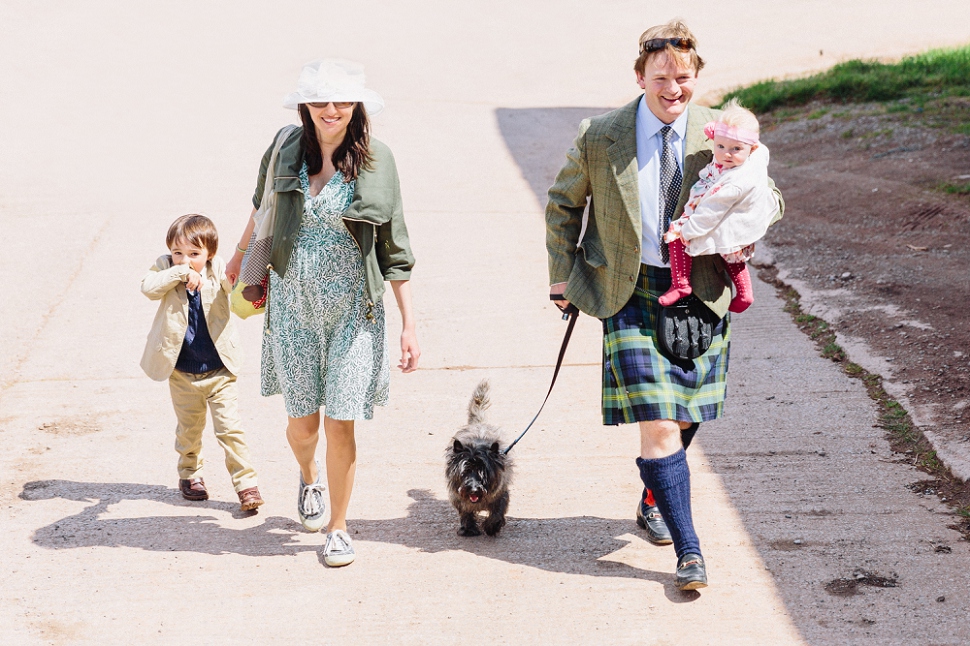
x=302, y=433
x=341, y=468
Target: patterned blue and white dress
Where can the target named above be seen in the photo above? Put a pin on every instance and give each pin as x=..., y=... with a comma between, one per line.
x=320, y=349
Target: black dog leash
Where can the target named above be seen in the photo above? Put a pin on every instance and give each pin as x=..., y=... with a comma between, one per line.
x=571, y=313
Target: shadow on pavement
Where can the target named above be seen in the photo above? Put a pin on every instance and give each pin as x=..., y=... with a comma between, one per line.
x=193, y=533
x=566, y=545
x=574, y=545
x=538, y=139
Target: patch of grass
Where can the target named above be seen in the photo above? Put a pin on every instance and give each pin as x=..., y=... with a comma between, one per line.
x=885, y=132
x=962, y=129
x=848, y=134
x=939, y=72
x=898, y=107
x=954, y=189
x=788, y=115
x=818, y=114
x=833, y=351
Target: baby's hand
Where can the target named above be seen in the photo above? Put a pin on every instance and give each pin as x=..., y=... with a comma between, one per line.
x=673, y=231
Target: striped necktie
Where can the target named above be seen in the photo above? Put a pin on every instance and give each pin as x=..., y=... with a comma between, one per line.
x=670, y=181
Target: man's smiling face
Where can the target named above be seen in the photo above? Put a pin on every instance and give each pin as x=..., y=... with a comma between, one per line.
x=668, y=84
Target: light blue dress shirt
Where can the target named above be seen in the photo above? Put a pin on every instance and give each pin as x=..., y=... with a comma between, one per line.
x=649, y=145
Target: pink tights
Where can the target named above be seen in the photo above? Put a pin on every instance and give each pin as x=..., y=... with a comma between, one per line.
x=680, y=266
x=742, y=286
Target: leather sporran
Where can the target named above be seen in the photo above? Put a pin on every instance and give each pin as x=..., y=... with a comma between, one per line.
x=686, y=329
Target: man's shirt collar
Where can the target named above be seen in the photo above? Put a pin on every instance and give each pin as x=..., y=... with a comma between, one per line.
x=650, y=125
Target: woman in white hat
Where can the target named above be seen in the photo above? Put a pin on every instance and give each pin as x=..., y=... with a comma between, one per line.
x=339, y=235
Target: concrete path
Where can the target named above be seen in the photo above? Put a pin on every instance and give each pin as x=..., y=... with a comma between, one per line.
x=116, y=118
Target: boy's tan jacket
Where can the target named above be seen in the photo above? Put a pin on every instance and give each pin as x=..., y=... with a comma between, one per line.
x=164, y=282
x=602, y=166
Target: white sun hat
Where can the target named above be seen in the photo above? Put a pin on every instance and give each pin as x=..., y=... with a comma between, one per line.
x=333, y=80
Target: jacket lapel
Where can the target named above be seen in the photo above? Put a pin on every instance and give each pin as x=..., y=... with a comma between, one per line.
x=623, y=159
x=697, y=151
x=211, y=283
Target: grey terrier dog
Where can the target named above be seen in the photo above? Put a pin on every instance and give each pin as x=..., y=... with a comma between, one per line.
x=478, y=472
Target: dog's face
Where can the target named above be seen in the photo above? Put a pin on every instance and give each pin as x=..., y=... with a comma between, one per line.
x=475, y=469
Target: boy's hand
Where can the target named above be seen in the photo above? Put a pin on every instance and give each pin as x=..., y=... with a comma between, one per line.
x=193, y=281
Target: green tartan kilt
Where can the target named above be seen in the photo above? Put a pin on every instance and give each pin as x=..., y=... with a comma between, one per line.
x=641, y=384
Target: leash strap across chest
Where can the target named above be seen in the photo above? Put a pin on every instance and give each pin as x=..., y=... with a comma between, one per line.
x=573, y=314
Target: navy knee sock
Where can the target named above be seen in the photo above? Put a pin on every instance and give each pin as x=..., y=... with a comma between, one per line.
x=669, y=480
x=686, y=436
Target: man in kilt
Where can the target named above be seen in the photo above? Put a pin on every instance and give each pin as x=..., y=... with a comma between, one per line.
x=634, y=167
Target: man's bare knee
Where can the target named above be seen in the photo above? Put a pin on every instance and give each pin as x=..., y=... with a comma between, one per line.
x=659, y=438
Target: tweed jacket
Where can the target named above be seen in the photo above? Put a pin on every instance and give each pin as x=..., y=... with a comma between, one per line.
x=164, y=282
x=601, y=168
x=375, y=217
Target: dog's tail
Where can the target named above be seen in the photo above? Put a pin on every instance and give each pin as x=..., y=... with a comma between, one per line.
x=478, y=404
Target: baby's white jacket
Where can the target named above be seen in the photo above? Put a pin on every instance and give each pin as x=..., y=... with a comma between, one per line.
x=737, y=214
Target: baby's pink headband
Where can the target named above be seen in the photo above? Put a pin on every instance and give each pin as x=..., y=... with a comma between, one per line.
x=731, y=132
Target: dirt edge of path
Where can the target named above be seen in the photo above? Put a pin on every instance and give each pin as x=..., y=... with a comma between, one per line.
x=908, y=441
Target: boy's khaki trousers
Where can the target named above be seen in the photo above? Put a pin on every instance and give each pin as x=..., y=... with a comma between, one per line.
x=190, y=393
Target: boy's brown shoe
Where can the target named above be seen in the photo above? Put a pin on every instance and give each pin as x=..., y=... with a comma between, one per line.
x=193, y=489
x=249, y=499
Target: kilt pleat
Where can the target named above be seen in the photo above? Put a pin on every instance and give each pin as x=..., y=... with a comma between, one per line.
x=640, y=383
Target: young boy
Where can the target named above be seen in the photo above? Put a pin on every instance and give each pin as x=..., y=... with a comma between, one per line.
x=194, y=345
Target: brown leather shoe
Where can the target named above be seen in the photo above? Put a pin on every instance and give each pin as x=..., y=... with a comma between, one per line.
x=193, y=489
x=249, y=499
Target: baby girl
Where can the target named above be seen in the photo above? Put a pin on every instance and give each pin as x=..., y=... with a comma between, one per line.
x=729, y=209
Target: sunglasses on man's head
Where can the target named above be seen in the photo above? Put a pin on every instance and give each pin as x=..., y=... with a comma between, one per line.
x=656, y=44
x=337, y=104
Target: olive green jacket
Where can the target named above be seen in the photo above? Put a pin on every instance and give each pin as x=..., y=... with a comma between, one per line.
x=602, y=167
x=375, y=217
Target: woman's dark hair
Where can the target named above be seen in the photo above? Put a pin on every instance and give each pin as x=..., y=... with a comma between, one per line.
x=352, y=155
